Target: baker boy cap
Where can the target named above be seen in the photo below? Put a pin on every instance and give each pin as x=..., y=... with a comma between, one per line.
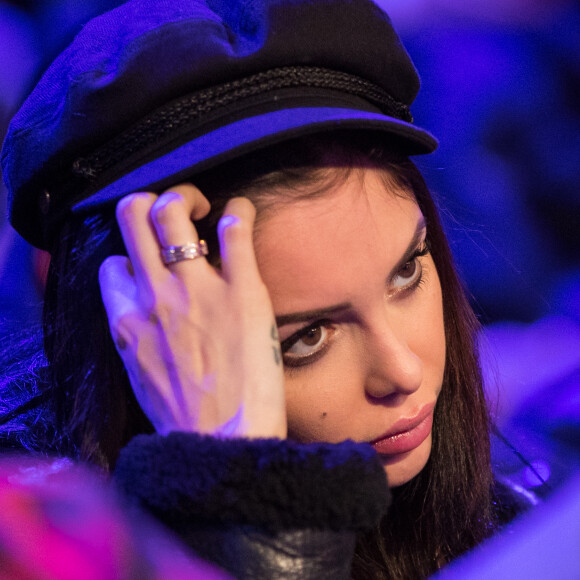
x=156, y=91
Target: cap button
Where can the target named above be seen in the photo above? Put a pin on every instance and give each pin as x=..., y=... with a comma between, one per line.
x=44, y=202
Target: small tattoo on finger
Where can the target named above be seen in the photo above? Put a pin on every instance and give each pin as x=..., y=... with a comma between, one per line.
x=276, y=346
x=274, y=332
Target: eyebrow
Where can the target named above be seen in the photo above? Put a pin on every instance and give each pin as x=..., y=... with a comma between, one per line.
x=318, y=313
x=311, y=314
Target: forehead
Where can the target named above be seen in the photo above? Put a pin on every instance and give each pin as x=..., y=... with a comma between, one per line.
x=315, y=252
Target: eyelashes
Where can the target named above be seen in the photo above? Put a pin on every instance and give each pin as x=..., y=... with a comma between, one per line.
x=310, y=343
x=410, y=275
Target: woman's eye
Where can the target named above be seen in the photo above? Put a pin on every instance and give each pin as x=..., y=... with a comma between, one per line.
x=306, y=345
x=411, y=273
x=408, y=274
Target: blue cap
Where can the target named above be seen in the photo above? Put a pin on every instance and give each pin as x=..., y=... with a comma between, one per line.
x=156, y=91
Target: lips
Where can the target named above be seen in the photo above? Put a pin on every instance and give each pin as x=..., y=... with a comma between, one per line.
x=406, y=434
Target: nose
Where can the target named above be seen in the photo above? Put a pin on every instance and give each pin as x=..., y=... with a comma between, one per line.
x=393, y=367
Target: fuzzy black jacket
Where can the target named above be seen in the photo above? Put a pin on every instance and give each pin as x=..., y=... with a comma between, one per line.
x=259, y=508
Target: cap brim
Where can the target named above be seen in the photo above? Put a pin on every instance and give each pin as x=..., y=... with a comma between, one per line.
x=251, y=134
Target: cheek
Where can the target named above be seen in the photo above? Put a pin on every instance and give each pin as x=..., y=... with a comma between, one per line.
x=321, y=402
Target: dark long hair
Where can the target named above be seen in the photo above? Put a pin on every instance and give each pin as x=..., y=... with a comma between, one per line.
x=447, y=508
x=87, y=399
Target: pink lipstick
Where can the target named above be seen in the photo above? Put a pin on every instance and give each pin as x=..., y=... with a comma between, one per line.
x=406, y=434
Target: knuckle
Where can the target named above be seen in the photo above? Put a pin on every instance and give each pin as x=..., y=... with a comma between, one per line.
x=246, y=208
x=187, y=190
x=107, y=265
x=133, y=205
x=113, y=263
x=242, y=204
x=167, y=207
x=114, y=270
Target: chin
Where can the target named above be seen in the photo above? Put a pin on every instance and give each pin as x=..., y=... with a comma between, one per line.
x=402, y=468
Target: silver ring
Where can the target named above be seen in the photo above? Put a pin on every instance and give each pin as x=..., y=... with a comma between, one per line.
x=174, y=254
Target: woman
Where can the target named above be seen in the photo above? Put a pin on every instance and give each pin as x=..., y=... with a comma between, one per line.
x=327, y=315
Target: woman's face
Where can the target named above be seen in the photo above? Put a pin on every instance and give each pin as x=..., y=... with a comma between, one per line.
x=360, y=317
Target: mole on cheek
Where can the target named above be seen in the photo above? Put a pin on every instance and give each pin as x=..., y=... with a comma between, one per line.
x=323, y=416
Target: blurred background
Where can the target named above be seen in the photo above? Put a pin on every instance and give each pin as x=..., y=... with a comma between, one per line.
x=501, y=91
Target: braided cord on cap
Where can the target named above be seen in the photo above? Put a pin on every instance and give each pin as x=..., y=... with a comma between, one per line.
x=185, y=110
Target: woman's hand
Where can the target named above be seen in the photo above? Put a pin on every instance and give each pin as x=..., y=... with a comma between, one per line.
x=200, y=345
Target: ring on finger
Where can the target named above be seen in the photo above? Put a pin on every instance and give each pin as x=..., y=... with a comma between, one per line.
x=192, y=251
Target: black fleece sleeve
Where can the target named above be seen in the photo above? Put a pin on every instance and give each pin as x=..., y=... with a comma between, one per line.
x=262, y=508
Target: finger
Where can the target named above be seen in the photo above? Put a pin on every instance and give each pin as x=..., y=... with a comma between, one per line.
x=173, y=212
x=133, y=216
x=119, y=294
x=171, y=215
x=235, y=231
x=201, y=206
